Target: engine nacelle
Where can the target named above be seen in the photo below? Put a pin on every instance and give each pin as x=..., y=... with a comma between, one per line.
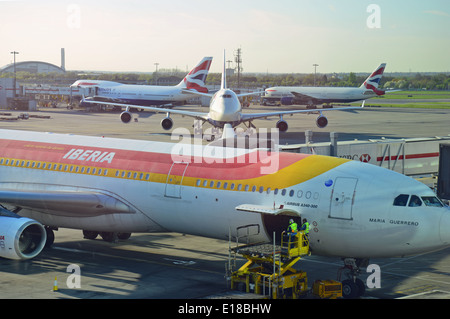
x=167, y=123
x=126, y=117
x=287, y=100
x=21, y=238
x=282, y=126
x=322, y=121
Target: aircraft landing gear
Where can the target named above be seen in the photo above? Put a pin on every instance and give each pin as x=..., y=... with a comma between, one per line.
x=111, y=237
x=352, y=287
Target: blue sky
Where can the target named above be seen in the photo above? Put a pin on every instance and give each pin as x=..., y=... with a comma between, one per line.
x=275, y=36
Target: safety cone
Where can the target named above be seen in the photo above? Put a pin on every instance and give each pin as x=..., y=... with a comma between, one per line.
x=55, y=285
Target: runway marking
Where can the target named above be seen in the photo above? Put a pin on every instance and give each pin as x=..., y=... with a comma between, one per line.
x=179, y=264
x=425, y=293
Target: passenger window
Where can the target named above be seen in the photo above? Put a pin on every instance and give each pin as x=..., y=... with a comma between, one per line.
x=415, y=201
x=291, y=193
x=432, y=201
x=401, y=200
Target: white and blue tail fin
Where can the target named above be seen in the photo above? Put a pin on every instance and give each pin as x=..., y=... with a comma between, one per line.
x=373, y=81
x=196, y=79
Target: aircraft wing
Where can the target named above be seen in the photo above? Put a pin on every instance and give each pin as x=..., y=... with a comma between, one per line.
x=254, y=116
x=66, y=203
x=301, y=96
x=197, y=115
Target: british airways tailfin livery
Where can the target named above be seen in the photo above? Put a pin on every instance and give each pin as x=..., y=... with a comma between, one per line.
x=373, y=81
x=109, y=91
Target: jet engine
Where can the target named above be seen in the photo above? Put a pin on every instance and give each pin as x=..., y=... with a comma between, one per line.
x=322, y=121
x=287, y=100
x=282, y=126
x=21, y=238
x=167, y=123
x=126, y=117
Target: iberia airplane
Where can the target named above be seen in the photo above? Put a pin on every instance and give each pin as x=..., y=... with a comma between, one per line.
x=114, y=92
x=116, y=187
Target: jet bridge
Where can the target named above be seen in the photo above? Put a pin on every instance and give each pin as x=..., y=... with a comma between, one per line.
x=415, y=157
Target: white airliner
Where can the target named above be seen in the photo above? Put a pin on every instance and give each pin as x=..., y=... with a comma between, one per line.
x=108, y=91
x=225, y=109
x=320, y=95
x=116, y=187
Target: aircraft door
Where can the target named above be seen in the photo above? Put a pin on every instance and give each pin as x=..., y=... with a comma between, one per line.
x=342, y=198
x=175, y=179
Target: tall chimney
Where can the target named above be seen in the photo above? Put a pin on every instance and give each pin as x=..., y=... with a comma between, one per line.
x=63, y=59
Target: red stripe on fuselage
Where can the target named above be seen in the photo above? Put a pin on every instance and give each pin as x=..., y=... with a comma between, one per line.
x=241, y=167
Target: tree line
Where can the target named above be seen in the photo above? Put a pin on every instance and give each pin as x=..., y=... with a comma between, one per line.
x=438, y=81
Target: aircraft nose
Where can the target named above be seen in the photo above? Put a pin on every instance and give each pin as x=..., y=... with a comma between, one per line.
x=444, y=227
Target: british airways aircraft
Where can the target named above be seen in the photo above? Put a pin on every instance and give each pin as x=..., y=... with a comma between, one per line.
x=108, y=91
x=320, y=95
x=225, y=109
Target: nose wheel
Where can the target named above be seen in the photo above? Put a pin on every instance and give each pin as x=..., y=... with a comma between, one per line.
x=352, y=287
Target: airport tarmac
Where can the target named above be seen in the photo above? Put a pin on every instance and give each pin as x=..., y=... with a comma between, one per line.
x=172, y=265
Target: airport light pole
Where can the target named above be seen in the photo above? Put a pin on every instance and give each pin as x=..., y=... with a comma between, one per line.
x=315, y=72
x=156, y=73
x=14, y=84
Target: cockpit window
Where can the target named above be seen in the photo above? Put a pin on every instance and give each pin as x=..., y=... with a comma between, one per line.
x=415, y=201
x=401, y=200
x=432, y=201
x=227, y=96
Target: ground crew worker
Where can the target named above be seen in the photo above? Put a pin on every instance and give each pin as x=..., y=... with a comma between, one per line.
x=305, y=226
x=292, y=228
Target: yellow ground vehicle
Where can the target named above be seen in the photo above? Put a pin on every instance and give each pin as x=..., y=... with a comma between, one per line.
x=329, y=289
x=269, y=268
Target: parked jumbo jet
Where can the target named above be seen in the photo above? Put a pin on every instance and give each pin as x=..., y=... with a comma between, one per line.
x=320, y=95
x=107, y=91
x=224, y=109
x=116, y=186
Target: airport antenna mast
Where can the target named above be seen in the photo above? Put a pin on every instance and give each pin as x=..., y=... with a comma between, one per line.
x=238, y=60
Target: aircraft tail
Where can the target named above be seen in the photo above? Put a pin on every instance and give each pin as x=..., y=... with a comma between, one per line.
x=223, y=84
x=196, y=79
x=372, y=82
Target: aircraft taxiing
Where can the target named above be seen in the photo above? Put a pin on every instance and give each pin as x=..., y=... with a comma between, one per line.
x=225, y=109
x=114, y=187
x=108, y=91
x=320, y=95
